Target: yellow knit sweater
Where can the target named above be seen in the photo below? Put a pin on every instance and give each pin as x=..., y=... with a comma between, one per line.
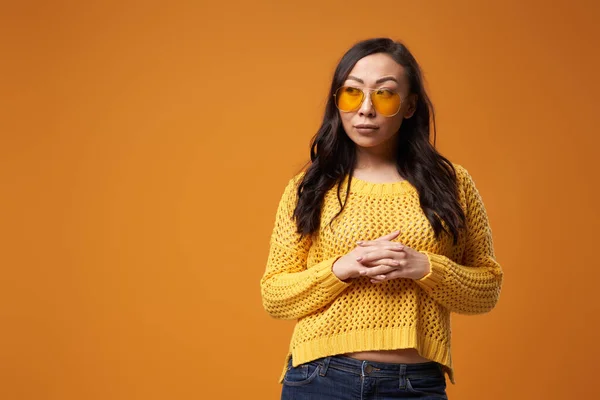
x=335, y=317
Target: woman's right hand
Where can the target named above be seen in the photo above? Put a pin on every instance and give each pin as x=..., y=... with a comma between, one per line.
x=347, y=267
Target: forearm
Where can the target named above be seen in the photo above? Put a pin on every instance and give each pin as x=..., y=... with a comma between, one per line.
x=293, y=295
x=463, y=289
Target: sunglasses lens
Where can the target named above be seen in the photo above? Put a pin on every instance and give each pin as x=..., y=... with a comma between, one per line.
x=386, y=102
x=348, y=98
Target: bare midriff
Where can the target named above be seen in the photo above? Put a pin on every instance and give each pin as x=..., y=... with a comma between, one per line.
x=401, y=356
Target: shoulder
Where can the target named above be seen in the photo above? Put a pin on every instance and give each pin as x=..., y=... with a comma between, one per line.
x=463, y=177
x=294, y=181
x=290, y=193
x=461, y=171
x=468, y=192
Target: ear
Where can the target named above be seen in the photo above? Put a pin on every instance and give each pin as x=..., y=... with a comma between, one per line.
x=412, y=106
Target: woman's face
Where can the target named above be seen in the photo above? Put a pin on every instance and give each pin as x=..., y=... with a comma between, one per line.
x=366, y=127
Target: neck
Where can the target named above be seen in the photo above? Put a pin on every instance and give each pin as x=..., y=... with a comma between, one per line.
x=374, y=158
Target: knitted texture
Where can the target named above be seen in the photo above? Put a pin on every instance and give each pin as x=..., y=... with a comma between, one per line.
x=336, y=317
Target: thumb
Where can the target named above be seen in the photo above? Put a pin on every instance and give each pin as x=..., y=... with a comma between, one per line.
x=389, y=236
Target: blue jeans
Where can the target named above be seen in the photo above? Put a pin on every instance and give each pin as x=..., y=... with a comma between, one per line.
x=345, y=378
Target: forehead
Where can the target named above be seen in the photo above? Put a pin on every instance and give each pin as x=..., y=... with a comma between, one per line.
x=375, y=66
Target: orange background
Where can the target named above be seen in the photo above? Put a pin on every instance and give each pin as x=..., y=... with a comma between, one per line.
x=145, y=147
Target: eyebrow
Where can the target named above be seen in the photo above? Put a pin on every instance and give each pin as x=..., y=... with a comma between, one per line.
x=378, y=81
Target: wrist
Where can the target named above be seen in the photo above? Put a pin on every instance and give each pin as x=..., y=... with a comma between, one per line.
x=426, y=263
x=335, y=269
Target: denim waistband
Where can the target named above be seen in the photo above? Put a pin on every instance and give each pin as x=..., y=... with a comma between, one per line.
x=379, y=369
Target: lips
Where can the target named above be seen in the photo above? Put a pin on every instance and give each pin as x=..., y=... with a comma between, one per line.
x=366, y=126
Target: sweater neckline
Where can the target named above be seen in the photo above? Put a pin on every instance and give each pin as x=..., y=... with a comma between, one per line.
x=362, y=186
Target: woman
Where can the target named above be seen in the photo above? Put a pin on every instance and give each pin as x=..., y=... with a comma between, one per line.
x=377, y=241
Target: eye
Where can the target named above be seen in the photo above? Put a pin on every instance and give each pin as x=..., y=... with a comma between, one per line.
x=351, y=90
x=384, y=93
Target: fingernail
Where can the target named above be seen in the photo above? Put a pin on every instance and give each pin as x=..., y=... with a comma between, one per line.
x=363, y=272
x=359, y=242
x=359, y=258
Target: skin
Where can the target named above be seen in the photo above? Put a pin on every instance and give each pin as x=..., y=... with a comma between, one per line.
x=381, y=259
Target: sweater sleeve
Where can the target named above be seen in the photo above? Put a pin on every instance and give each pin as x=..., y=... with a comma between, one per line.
x=473, y=286
x=290, y=289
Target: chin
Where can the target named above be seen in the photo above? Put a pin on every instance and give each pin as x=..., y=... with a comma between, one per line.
x=367, y=142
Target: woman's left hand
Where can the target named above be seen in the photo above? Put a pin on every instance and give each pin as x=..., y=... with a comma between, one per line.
x=405, y=261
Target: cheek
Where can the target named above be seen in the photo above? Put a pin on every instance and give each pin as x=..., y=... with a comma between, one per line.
x=392, y=125
x=346, y=120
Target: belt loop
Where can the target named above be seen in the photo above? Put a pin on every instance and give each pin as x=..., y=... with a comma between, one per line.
x=325, y=366
x=402, y=376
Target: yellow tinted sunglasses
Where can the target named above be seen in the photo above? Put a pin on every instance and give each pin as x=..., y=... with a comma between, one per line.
x=385, y=101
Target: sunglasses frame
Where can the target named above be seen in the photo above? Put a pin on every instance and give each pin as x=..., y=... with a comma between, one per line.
x=364, y=96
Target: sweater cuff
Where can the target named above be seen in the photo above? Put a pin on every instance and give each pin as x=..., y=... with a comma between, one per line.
x=438, y=271
x=327, y=280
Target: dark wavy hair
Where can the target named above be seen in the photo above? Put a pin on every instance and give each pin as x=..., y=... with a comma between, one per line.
x=333, y=154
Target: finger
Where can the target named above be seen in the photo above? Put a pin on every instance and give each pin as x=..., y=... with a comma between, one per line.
x=381, y=270
x=387, y=277
x=382, y=244
x=378, y=255
x=390, y=262
x=390, y=236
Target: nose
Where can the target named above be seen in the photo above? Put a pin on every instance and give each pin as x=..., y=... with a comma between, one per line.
x=366, y=108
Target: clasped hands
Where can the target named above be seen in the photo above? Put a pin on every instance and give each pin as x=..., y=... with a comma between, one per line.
x=382, y=260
